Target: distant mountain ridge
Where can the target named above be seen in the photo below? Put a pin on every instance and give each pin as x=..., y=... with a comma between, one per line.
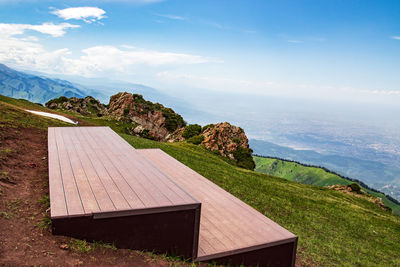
x=315, y=175
x=33, y=88
x=374, y=174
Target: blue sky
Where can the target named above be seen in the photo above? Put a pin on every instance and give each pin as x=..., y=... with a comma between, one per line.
x=342, y=50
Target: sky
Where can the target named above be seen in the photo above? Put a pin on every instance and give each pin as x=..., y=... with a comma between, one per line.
x=344, y=51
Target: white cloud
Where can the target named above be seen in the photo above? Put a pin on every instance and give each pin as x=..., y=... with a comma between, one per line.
x=382, y=92
x=28, y=53
x=295, y=41
x=239, y=85
x=87, y=14
x=55, y=30
x=173, y=17
x=115, y=57
x=396, y=37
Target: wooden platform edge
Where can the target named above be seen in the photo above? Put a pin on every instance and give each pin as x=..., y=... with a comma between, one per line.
x=250, y=249
x=129, y=212
x=173, y=232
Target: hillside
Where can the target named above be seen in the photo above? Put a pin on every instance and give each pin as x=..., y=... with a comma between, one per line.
x=383, y=177
x=310, y=175
x=34, y=88
x=334, y=229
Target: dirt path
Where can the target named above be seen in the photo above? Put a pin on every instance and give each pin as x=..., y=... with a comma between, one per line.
x=25, y=239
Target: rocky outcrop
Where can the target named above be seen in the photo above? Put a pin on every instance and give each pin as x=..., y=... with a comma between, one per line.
x=84, y=106
x=225, y=138
x=149, y=119
x=154, y=121
x=361, y=193
x=222, y=138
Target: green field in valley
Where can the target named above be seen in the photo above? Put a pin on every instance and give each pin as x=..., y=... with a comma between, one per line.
x=310, y=175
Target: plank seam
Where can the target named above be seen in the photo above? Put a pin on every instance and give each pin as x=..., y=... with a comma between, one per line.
x=83, y=169
x=73, y=174
x=111, y=175
x=98, y=176
x=59, y=166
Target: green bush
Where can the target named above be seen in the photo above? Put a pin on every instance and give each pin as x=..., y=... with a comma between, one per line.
x=355, y=187
x=146, y=134
x=236, y=140
x=196, y=140
x=172, y=119
x=206, y=127
x=191, y=130
x=59, y=100
x=244, y=158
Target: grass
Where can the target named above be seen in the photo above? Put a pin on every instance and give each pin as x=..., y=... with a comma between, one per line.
x=45, y=223
x=14, y=117
x=334, y=229
x=310, y=175
x=45, y=200
x=83, y=246
x=12, y=209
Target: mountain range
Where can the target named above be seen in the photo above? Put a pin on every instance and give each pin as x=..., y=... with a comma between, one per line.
x=34, y=88
x=375, y=174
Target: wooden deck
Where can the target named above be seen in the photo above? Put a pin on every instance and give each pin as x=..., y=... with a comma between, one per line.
x=228, y=225
x=98, y=172
x=101, y=188
x=95, y=173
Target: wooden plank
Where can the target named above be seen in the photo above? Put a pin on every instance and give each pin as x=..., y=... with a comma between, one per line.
x=111, y=189
x=227, y=224
x=227, y=201
x=158, y=181
x=88, y=199
x=102, y=197
x=114, y=172
x=214, y=216
x=130, y=178
x=56, y=188
x=101, y=172
x=73, y=199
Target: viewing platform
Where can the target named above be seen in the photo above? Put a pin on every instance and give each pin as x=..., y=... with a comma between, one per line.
x=103, y=189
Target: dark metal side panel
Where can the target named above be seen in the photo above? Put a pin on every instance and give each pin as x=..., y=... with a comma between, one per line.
x=283, y=255
x=173, y=232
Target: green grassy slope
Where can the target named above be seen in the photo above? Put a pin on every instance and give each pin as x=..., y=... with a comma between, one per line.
x=309, y=175
x=334, y=229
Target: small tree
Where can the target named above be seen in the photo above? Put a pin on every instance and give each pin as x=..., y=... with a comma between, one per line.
x=244, y=158
x=355, y=187
x=196, y=140
x=191, y=130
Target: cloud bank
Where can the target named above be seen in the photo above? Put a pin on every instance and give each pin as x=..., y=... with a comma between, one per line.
x=87, y=14
x=55, y=30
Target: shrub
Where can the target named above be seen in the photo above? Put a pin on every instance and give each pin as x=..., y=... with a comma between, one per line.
x=172, y=120
x=355, y=187
x=244, y=158
x=196, y=140
x=236, y=140
x=191, y=130
x=146, y=134
x=59, y=100
x=206, y=127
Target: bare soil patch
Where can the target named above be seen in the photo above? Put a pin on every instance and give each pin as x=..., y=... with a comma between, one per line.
x=25, y=239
